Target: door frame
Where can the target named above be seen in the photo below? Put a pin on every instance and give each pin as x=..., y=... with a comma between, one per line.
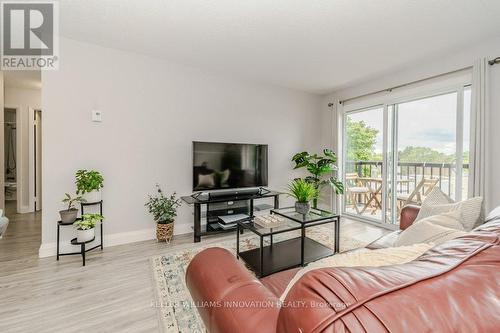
x=31, y=158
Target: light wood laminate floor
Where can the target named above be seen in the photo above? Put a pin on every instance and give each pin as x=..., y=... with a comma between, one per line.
x=113, y=293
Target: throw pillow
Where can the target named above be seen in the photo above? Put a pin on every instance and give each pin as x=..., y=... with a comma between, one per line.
x=427, y=232
x=470, y=211
x=436, y=197
x=451, y=220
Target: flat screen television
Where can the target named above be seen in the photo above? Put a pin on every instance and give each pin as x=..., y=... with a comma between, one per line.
x=218, y=166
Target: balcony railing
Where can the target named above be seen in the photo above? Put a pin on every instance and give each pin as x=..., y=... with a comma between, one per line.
x=414, y=172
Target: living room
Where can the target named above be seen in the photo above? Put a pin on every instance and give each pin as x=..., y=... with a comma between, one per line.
x=144, y=91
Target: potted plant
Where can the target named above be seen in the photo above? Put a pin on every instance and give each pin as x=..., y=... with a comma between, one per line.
x=304, y=192
x=164, y=210
x=85, y=228
x=319, y=166
x=89, y=184
x=69, y=215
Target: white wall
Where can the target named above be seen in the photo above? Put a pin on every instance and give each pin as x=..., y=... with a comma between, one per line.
x=152, y=111
x=23, y=99
x=437, y=65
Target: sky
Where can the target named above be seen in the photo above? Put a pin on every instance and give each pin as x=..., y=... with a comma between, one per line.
x=429, y=122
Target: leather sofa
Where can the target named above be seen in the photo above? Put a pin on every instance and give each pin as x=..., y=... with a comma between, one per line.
x=454, y=287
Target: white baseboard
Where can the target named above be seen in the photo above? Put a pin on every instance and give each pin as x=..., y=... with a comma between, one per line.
x=50, y=249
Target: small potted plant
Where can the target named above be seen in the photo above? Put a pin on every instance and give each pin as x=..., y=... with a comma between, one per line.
x=304, y=193
x=164, y=210
x=89, y=184
x=69, y=215
x=85, y=228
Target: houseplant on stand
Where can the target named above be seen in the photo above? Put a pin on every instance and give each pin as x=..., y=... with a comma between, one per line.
x=89, y=184
x=69, y=215
x=164, y=210
x=319, y=166
x=304, y=192
x=85, y=228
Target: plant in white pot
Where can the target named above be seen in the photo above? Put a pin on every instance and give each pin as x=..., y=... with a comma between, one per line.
x=304, y=192
x=89, y=184
x=85, y=228
x=69, y=215
x=164, y=210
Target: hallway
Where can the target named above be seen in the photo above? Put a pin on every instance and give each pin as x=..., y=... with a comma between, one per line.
x=23, y=236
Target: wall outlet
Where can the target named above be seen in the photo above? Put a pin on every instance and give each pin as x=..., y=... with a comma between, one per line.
x=96, y=116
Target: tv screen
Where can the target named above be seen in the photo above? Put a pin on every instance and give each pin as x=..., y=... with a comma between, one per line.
x=219, y=166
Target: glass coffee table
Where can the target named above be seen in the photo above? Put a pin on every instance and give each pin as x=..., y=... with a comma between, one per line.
x=289, y=253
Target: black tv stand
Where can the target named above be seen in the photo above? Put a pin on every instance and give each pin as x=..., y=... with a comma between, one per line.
x=225, y=205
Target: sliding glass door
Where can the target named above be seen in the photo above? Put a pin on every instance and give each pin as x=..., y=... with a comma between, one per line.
x=396, y=153
x=363, y=162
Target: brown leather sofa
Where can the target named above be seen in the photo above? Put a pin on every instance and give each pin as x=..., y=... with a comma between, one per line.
x=454, y=287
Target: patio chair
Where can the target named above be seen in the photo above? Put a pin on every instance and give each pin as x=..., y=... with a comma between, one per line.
x=355, y=190
x=423, y=188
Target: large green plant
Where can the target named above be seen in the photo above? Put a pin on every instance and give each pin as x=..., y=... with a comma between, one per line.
x=303, y=191
x=162, y=207
x=88, y=181
x=88, y=221
x=319, y=166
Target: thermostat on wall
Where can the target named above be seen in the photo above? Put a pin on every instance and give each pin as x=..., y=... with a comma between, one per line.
x=96, y=116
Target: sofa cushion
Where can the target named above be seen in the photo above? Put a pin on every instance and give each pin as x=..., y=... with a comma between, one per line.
x=436, y=197
x=434, y=229
x=470, y=211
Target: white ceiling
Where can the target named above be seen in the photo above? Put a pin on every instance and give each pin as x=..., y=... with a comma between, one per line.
x=314, y=45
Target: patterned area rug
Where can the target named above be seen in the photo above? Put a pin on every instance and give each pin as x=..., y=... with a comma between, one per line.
x=173, y=300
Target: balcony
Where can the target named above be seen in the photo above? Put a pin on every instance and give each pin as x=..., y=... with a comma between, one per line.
x=414, y=181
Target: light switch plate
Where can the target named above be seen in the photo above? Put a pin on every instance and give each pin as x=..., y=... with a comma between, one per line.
x=96, y=116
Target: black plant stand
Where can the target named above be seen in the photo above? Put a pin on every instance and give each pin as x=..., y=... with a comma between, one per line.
x=87, y=204
x=83, y=250
x=82, y=247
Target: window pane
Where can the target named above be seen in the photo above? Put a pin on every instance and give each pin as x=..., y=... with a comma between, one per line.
x=363, y=165
x=427, y=147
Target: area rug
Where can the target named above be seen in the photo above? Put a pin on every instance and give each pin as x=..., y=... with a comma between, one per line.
x=172, y=298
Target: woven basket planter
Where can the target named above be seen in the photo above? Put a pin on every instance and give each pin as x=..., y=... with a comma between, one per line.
x=164, y=231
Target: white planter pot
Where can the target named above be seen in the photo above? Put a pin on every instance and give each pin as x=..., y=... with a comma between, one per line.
x=85, y=235
x=93, y=196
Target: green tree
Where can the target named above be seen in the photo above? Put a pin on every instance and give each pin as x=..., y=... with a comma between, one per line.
x=424, y=155
x=361, y=140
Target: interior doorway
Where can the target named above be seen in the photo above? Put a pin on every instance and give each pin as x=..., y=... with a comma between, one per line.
x=11, y=169
x=20, y=158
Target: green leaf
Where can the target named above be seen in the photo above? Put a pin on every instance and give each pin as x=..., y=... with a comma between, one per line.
x=301, y=156
x=301, y=164
x=337, y=185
